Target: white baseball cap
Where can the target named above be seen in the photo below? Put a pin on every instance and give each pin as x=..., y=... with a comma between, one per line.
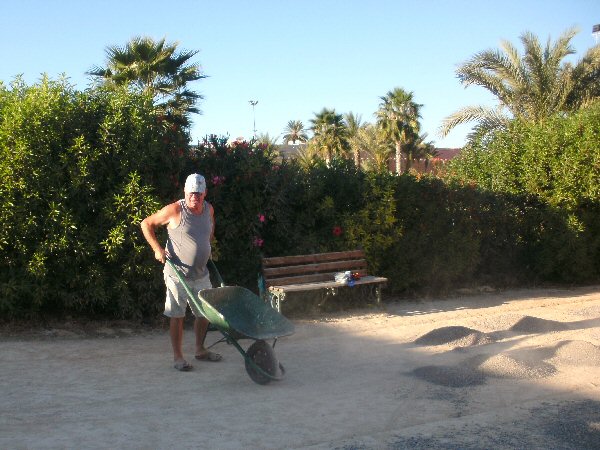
x=195, y=183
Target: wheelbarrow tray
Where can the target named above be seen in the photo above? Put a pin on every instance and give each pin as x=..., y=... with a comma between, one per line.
x=245, y=313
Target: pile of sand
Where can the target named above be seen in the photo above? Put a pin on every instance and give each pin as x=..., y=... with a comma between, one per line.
x=505, y=366
x=450, y=376
x=516, y=365
x=475, y=371
x=577, y=353
x=532, y=325
x=454, y=335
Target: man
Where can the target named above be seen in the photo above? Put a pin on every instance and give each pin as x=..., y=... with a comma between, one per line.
x=190, y=227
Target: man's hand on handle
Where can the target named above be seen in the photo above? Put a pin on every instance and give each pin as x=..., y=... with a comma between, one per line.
x=160, y=255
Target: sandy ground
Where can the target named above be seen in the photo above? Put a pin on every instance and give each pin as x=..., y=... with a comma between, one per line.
x=517, y=369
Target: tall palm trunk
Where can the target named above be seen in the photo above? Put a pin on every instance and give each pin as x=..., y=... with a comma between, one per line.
x=398, y=158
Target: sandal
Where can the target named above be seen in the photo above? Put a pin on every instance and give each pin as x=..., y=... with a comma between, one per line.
x=209, y=356
x=183, y=366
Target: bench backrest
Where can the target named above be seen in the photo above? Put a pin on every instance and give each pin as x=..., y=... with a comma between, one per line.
x=298, y=269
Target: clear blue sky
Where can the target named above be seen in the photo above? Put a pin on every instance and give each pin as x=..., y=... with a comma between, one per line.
x=294, y=57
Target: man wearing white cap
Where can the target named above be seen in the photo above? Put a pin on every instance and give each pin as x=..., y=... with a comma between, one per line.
x=190, y=227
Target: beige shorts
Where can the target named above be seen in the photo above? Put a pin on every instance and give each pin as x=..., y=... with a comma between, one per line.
x=177, y=297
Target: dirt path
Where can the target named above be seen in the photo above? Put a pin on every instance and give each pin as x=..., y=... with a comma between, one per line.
x=518, y=369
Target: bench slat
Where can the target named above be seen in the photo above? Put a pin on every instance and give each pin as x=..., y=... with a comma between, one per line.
x=336, y=266
x=315, y=258
x=309, y=278
x=326, y=284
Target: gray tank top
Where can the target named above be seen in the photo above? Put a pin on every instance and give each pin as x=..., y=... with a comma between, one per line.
x=189, y=243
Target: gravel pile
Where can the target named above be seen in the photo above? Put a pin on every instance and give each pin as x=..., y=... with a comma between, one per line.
x=504, y=366
x=578, y=353
x=450, y=376
x=532, y=325
x=455, y=335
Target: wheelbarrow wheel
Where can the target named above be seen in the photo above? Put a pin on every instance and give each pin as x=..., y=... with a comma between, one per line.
x=263, y=355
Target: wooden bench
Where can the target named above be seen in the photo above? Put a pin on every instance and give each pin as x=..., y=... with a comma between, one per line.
x=301, y=273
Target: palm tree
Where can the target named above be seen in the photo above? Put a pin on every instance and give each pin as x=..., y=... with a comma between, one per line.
x=586, y=79
x=418, y=148
x=398, y=117
x=155, y=68
x=353, y=122
x=294, y=132
x=330, y=133
x=354, y=125
x=308, y=155
x=266, y=141
x=372, y=142
x=532, y=86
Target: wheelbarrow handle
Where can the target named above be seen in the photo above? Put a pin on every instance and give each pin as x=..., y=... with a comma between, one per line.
x=202, y=306
x=212, y=267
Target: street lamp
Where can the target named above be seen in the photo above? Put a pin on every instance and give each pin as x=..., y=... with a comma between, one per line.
x=253, y=103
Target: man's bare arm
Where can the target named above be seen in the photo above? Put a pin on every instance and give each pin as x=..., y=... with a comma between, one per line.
x=170, y=214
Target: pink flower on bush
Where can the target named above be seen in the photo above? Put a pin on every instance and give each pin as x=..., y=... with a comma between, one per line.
x=261, y=218
x=258, y=242
x=216, y=180
x=337, y=231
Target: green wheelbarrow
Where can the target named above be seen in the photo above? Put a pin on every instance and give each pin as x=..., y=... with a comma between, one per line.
x=238, y=313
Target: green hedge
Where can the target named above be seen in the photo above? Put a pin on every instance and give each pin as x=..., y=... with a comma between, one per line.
x=263, y=206
x=424, y=234
x=81, y=169
x=555, y=167
x=557, y=160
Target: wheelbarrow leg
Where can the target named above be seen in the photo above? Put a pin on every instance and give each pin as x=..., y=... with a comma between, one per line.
x=275, y=299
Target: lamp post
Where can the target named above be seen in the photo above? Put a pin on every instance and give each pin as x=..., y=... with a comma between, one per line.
x=253, y=103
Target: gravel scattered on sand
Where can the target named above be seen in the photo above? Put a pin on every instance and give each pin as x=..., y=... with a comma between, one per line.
x=450, y=376
x=574, y=424
x=529, y=324
x=456, y=335
x=568, y=426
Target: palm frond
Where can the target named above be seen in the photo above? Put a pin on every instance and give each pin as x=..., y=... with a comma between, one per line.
x=156, y=68
x=491, y=117
x=532, y=86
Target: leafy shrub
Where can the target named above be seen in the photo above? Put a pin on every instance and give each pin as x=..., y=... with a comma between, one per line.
x=266, y=207
x=557, y=160
x=78, y=169
x=554, y=167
